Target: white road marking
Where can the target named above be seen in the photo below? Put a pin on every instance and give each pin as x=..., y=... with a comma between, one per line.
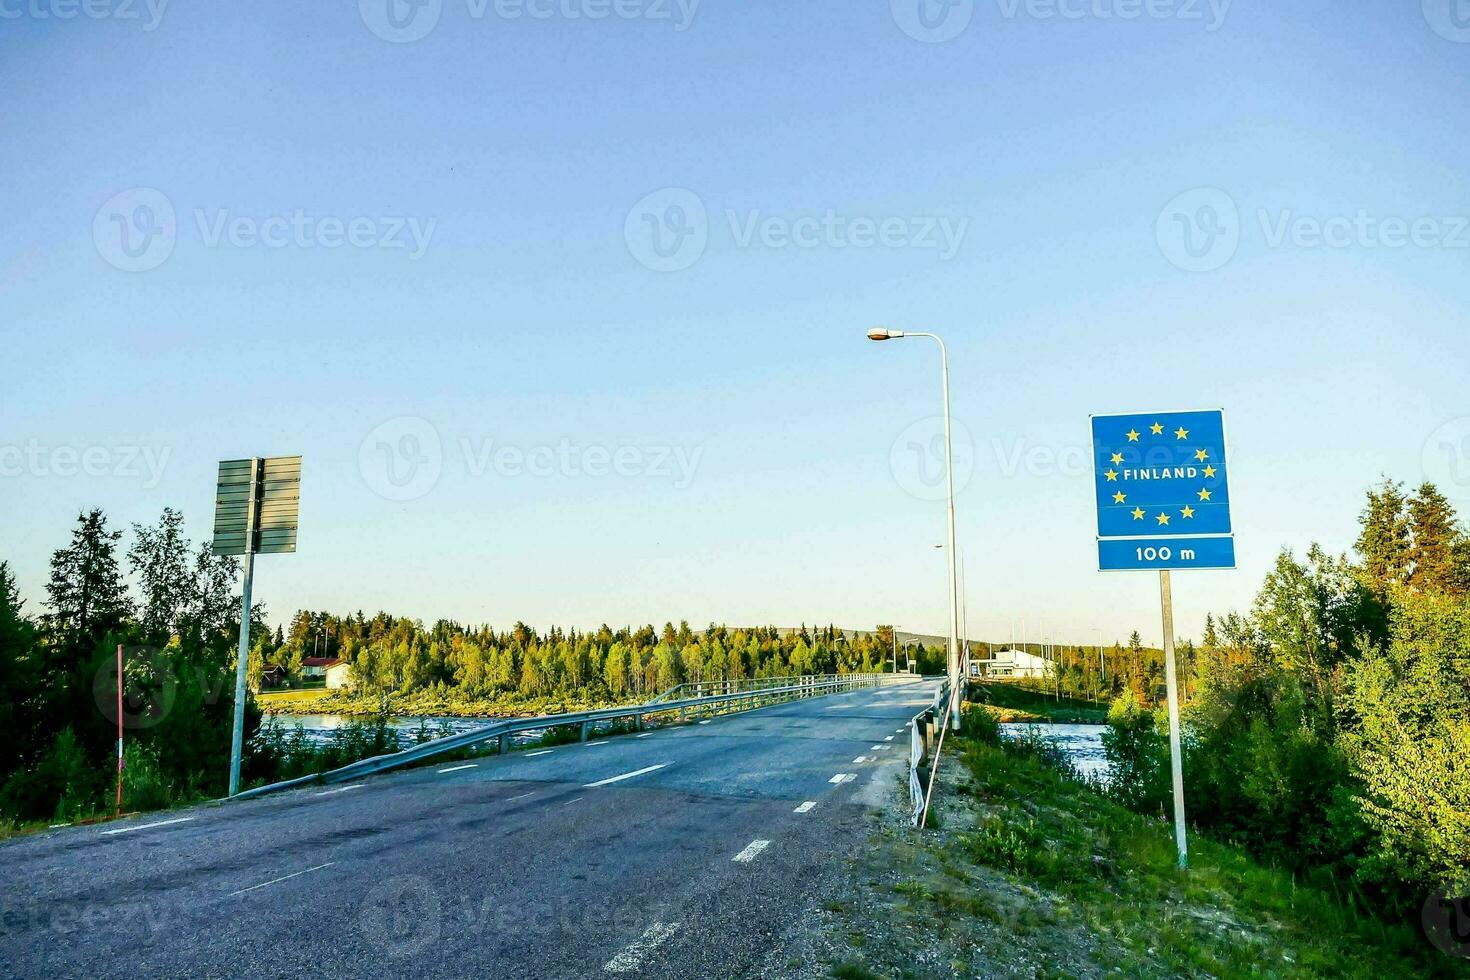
x=842, y=777
x=146, y=826
x=603, y=742
x=751, y=850
x=888, y=739
x=467, y=765
x=282, y=878
x=631, y=958
x=532, y=755
x=571, y=801
x=643, y=735
x=521, y=797
x=881, y=748
x=859, y=760
x=626, y=775
x=805, y=807
x=705, y=722
x=339, y=789
x=875, y=748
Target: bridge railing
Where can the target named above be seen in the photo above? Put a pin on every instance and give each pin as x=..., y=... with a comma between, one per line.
x=924, y=730
x=503, y=731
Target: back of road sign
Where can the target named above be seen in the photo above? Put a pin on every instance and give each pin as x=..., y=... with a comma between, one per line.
x=1163, y=494
x=256, y=506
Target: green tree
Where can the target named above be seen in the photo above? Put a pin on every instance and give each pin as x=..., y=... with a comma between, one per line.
x=1384, y=538
x=1412, y=742
x=87, y=596
x=1437, y=549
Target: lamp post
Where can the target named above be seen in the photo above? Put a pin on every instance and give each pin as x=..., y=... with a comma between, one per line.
x=883, y=333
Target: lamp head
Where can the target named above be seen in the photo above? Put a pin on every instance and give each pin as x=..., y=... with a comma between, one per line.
x=883, y=333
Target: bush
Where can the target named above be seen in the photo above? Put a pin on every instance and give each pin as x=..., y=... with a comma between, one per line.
x=1138, y=756
x=62, y=786
x=980, y=724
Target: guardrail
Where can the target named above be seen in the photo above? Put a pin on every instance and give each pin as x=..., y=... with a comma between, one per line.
x=704, y=689
x=925, y=729
x=800, y=687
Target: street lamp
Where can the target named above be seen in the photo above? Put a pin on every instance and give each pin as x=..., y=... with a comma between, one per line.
x=883, y=333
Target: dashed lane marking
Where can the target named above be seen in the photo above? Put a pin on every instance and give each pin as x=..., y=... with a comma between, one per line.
x=751, y=850
x=626, y=775
x=532, y=755
x=339, y=789
x=467, y=765
x=843, y=777
x=805, y=807
x=631, y=959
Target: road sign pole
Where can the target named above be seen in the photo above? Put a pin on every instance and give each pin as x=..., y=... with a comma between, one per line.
x=119, y=727
x=237, y=737
x=1167, y=598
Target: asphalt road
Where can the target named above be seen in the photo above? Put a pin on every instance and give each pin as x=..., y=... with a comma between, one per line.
x=687, y=852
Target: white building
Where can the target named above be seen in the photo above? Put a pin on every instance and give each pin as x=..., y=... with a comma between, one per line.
x=1018, y=663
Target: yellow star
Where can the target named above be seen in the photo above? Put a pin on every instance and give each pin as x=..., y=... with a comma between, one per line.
x=1201, y=455
x=1133, y=435
x=1209, y=471
x=1181, y=433
x=1204, y=495
x=1120, y=497
x=1157, y=428
x=1187, y=512
x=1117, y=459
x=1112, y=476
x=1138, y=513
x=1163, y=518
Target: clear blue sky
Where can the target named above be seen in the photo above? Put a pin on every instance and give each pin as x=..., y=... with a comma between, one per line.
x=1055, y=143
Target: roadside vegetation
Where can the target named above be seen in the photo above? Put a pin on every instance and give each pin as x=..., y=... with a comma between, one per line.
x=1032, y=872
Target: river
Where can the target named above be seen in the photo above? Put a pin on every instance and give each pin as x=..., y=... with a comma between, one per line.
x=1082, y=743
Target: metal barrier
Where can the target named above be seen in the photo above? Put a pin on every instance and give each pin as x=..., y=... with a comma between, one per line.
x=799, y=687
x=923, y=733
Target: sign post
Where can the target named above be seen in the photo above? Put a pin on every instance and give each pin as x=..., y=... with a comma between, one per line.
x=119, y=728
x=257, y=504
x=1163, y=502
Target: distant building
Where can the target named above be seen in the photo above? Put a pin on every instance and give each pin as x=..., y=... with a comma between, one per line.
x=339, y=674
x=273, y=675
x=315, y=668
x=1018, y=663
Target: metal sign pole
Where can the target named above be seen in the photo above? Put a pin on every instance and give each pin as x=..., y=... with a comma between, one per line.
x=119, y=727
x=1167, y=597
x=237, y=737
x=237, y=734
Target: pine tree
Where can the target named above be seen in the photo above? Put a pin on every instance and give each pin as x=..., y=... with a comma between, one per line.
x=1435, y=548
x=1384, y=541
x=87, y=595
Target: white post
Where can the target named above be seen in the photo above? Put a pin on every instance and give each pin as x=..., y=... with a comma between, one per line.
x=237, y=737
x=1179, y=830
x=954, y=594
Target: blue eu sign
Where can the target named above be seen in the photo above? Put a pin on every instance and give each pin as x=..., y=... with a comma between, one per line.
x=1163, y=495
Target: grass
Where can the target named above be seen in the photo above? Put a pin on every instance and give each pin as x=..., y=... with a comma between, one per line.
x=1010, y=702
x=299, y=701
x=1034, y=873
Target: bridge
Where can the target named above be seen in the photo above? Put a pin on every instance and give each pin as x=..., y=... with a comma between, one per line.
x=682, y=851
